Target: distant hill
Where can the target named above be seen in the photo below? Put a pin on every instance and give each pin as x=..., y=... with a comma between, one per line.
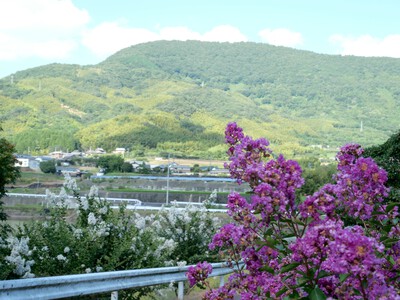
x=177, y=97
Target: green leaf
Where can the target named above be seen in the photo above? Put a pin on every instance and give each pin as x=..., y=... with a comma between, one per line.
x=280, y=247
x=269, y=231
x=317, y=294
x=267, y=269
x=391, y=205
x=289, y=267
x=343, y=277
x=388, y=242
x=260, y=242
x=289, y=235
x=323, y=274
x=282, y=291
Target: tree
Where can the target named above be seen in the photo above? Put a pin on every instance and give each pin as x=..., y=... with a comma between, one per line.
x=111, y=163
x=196, y=169
x=48, y=166
x=387, y=156
x=127, y=167
x=8, y=174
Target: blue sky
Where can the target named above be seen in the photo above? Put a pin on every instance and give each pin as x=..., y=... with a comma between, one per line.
x=37, y=32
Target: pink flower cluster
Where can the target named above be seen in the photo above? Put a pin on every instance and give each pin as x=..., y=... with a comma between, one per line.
x=301, y=248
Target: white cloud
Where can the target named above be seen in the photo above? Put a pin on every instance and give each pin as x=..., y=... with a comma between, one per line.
x=107, y=38
x=39, y=28
x=224, y=33
x=14, y=48
x=41, y=14
x=54, y=29
x=367, y=45
x=178, y=34
x=281, y=37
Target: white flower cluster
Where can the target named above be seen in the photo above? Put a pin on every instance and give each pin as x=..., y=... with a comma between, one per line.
x=18, y=257
x=102, y=229
x=70, y=183
x=166, y=247
x=61, y=257
x=212, y=199
x=84, y=203
x=186, y=224
x=51, y=198
x=94, y=192
x=78, y=233
x=92, y=219
x=103, y=210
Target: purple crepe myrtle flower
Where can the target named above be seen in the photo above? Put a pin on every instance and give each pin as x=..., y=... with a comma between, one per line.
x=238, y=208
x=221, y=293
x=199, y=273
x=351, y=251
x=258, y=258
x=349, y=153
x=233, y=133
x=360, y=187
x=232, y=234
x=322, y=201
x=345, y=263
x=311, y=248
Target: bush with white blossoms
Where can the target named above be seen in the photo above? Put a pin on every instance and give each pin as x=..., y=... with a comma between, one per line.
x=84, y=235
x=17, y=260
x=192, y=229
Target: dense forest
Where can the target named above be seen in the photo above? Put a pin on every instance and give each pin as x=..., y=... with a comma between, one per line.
x=176, y=97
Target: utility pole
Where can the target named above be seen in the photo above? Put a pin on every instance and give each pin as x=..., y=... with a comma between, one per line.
x=167, y=199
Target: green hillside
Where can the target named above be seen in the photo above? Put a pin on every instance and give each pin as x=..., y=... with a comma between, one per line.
x=178, y=96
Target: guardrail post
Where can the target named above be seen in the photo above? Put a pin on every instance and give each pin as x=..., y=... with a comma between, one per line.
x=114, y=295
x=180, y=290
x=221, y=281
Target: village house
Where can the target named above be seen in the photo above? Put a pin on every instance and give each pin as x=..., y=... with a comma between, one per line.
x=56, y=154
x=97, y=151
x=73, y=172
x=23, y=161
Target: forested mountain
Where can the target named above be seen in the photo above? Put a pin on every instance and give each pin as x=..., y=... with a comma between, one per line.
x=178, y=96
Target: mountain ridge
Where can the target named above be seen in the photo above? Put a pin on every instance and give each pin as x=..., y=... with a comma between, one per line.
x=178, y=96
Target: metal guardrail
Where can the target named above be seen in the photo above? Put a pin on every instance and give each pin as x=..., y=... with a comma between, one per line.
x=180, y=178
x=129, y=201
x=57, y=287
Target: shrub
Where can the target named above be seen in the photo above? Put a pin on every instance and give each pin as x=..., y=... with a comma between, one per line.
x=84, y=234
x=48, y=166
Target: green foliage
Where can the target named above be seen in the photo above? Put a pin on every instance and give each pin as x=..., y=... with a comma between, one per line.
x=195, y=169
x=86, y=235
x=177, y=96
x=8, y=171
x=48, y=166
x=315, y=176
x=111, y=163
x=387, y=155
x=8, y=174
x=127, y=167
